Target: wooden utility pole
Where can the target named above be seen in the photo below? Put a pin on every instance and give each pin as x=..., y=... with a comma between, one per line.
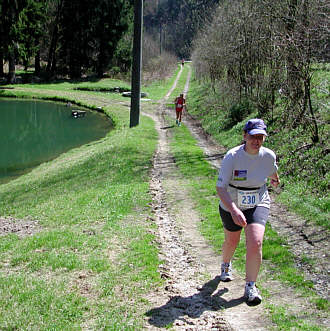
x=160, y=29
x=160, y=38
x=137, y=64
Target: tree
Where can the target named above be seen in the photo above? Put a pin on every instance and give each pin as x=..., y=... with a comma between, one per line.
x=10, y=34
x=90, y=32
x=30, y=29
x=2, y=40
x=302, y=30
x=254, y=50
x=21, y=28
x=55, y=10
x=177, y=22
x=112, y=19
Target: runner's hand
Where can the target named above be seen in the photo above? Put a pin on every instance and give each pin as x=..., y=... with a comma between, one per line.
x=238, y=217
x=274, y=182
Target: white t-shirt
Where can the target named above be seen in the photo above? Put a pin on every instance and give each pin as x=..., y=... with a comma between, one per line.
x=243, y=170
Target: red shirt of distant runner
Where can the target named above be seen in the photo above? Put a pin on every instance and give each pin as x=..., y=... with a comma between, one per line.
x=179, y=102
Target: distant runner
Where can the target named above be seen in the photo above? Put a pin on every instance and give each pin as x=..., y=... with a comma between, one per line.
x=180, y=103
x=182, y=62
x=245, y=202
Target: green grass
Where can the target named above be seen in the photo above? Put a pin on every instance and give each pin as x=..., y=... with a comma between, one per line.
x=34, y=304
x=290, y=322
x=104, y=83
x=93, y=253
x=158, y=89
x=313, y=208
x=181, y=83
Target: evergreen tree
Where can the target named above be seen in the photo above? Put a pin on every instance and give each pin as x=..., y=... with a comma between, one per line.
x=10, y=10
x=21, y=28
x=111, y=20
x=54, y=15
x=2, y=41
x=91, y=30
x=30, y=26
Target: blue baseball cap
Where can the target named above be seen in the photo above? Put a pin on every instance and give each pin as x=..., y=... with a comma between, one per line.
x=255, y=126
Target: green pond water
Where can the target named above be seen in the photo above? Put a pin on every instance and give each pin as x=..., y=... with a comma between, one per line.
x=33, y=132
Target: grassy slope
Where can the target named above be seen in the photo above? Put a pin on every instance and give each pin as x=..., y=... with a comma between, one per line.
x=296, y=169
x=93, y=253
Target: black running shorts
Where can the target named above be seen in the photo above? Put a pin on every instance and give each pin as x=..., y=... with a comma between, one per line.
x=253, y=215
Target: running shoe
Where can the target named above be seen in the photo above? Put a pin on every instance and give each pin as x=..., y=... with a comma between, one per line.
x=252, y=294
x=226, y=272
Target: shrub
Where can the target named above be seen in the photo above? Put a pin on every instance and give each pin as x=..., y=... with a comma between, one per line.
x=238, y=112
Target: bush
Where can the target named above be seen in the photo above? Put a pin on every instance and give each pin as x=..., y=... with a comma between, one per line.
x=238, y=112
x=114, y=71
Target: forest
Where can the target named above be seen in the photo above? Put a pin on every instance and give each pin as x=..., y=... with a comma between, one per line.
x=62, y=37
x=77, y=38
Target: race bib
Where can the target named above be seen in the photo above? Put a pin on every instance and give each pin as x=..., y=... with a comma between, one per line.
x=247, y=199
x=179, y=105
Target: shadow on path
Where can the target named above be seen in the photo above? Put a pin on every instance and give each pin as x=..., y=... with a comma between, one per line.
x=167, y=127
x=206, y=299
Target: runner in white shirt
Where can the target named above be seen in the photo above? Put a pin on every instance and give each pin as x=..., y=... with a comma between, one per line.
x=245, y=202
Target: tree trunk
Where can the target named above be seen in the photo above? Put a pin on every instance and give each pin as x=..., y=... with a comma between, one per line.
x=2, y=73
x=51, y=52
x=100, y=63
x=75, y=63
x=294, y=82
x=37, y=67
x=51, y=62
x=315, y=129
x=11, y=74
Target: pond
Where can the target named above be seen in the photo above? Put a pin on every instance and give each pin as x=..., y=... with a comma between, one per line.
x=33, y=132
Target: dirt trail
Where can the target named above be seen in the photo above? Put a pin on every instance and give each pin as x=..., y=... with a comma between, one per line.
x=193, y=297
